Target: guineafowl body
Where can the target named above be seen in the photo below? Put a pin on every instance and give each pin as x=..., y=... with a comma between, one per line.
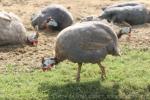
x=131, y=13
x=57, y=12
x=12, y=31
x=86, y=42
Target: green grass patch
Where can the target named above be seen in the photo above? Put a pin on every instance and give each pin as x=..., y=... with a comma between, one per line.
x=128, y=78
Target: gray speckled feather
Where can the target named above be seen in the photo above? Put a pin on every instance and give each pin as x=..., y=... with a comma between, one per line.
x=115, y=26
x=121, y=5
x=86, y=42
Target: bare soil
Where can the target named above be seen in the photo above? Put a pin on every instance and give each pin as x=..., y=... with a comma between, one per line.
x=28, y=58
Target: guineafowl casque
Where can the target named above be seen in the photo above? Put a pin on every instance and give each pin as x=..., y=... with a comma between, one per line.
x=87, y=42
x=12, y=31
x=52, y=17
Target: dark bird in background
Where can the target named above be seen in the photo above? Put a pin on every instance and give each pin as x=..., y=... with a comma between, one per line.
x=126, y=13
x=131, y=13
x=121, y=5
x=52, y=17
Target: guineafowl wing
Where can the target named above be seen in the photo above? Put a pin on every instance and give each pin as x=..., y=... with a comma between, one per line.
x=4, y=17
x=95, y=44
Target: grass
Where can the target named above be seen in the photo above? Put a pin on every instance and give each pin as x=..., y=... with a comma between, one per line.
x=128, y=78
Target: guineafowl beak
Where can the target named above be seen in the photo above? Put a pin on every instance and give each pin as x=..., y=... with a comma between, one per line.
x=46, y=68
x=35, y=43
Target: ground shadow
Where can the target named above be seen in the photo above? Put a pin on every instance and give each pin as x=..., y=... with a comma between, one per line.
x=92, y=90
x=8, y=48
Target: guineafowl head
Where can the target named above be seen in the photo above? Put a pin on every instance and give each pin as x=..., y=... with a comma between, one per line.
x=124, y=31
x=33, y=38
x=106, y=15
x=48, y=63
x=50, y=23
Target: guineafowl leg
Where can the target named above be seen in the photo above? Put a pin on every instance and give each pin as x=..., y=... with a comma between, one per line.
x=112, y=21
x=78, y=73
x=103, y=75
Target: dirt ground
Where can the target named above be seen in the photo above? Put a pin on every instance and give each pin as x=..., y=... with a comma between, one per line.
x=22, y=58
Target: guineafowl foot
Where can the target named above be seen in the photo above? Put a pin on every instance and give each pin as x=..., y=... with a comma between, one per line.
x=103, y=77
x=102, y=68
x=78, y=79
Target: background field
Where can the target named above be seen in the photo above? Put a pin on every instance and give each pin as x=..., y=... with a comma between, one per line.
x=22, y=79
